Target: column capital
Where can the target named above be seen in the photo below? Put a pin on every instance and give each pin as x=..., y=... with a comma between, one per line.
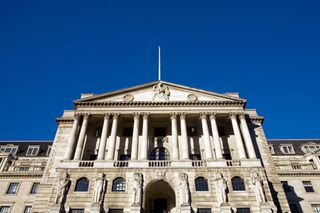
x=115, y=115
x=182, y=115
x=203, y=115
x=213, y=115
x=233, y=115
x=145, y=114
x=242, y=115
x=136, y=115
x=173, y=115
x=86, y=116
x=106, y=115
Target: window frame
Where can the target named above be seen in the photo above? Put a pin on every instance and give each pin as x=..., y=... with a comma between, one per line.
x=33, y=147
x=159, y=153
x=238, y=186
x=315, y=206
x=32, y=188
x=288, y=147
x=4, y=206
x=74, y=210
x=204, y=210
x=119, y=186
x=49, y=150
x=306, y=147
x=76, y=189
x=11, y=147
x=243, y=210
x=26, y=208
x=17, y=188
x=201, y=184
x=308, y=187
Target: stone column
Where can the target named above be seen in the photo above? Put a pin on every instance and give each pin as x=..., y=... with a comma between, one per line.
x=174, y=139
x=237, y=134
x=82, y=135
x=205, y=132
x=184, y=137
x=72, y=139
x=247, y=137
x=4, y=163
x=104, y=136
x=216, y=138
x=135, y=137
x=113, y=137
x=144, y=145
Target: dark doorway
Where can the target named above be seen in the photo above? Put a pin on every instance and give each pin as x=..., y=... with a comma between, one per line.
x=160, y=205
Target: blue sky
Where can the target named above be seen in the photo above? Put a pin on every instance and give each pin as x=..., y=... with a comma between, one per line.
x=51, y=51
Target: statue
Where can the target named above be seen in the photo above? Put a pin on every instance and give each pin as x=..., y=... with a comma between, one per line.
x=221, y=187
x=137, y=187
x=62, y=188
x=184, y=189
x=99, y=189
x=162, y=91
x=258, y=189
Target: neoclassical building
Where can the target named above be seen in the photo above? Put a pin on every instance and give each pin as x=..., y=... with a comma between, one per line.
x=160, y=147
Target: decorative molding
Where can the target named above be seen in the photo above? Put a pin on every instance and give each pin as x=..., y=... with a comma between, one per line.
x=128, y=98
x=64, y=120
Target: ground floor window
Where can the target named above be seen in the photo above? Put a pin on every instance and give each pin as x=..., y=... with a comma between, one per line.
x=316, y=208
x=4, y=209
x=76, y=211
x=116, y=211
x=27, y=209
x=243, y=210
x=204, y=210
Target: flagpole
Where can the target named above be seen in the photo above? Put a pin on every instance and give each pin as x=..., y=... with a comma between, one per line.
x=159, y=64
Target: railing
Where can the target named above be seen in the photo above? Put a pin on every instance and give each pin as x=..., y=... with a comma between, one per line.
x=309, y=166
x=198, y=163
x=121, y=164
x=86, y=163
x=160, y=163
x=232, y=163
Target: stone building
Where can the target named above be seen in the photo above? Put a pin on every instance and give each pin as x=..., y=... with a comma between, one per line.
x=160, y=147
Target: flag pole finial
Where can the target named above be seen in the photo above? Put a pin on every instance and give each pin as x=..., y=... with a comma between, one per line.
x=159, y=63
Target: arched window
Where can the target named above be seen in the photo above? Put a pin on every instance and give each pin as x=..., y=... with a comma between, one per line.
x=201, y=184
x=82, y=185
x=159, y=154
x=119, y=185
x=238, y=184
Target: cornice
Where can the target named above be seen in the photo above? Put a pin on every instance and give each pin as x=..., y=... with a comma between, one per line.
x=258, y=119
x=64, y=120
x=23, y=175
x=299, y=174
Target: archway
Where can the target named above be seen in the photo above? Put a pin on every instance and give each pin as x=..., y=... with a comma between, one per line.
x=159, y=198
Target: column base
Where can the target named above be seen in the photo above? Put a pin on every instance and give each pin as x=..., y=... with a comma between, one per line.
x=185, y=208
x=225, y=208
x=265, y=208
x=95, y=208
x=55, y=208
x=135, y=208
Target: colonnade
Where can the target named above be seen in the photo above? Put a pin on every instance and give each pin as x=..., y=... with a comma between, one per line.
x=240, y=132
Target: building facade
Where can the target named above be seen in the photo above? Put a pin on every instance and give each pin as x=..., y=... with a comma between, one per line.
x=160, y=147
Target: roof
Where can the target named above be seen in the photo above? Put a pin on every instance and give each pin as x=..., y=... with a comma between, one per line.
x=296, y=143
x=23, y=146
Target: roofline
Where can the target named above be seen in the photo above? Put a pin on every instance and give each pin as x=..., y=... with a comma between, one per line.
x=37, y=141
x=294, y=139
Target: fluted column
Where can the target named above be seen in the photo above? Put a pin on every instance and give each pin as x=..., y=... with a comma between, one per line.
x=104, y=136
x=72, y=139
x=237, y=134
x=215, y=135
x=174, y=139
x=205, y=132
x=184, y=137
x=247, y=137
x=144, y=145
x=4, y=163
x=82, y=135
x=113, y=137
x=135, y=137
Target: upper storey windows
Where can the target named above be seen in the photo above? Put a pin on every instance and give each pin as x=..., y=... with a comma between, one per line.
x=10, y=149
x=308, y=148
x=287, y=149
x=33, y=150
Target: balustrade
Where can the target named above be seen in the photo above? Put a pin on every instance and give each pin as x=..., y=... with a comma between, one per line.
x=160, y=163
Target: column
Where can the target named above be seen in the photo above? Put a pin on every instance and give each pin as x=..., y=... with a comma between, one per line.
x=104, y=136
x=247, y=137
x=216, y=138
x=174, y=139
x=72, y=139
x=236, y=130
x=144, y=145
x=113, y=137
x=205, y=132
x=135, y=137
x=184, y=137
x=4, y=163
x=82, y=135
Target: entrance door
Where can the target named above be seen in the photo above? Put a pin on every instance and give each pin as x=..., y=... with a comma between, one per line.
x=160, y=205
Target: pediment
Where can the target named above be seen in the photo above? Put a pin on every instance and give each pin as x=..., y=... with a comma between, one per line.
x=159, y=91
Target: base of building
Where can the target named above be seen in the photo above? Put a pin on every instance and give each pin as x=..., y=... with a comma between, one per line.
x=185, y=208
x=225, y=208
x=135, y=208
x=265, y=208
x=95, y=208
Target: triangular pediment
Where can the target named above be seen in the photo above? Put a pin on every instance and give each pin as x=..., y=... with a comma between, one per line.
x=159, y=91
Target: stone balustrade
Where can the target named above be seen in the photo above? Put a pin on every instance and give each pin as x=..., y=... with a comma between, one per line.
x=296, y=166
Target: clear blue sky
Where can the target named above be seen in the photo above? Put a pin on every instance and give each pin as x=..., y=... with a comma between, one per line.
x=51, y=51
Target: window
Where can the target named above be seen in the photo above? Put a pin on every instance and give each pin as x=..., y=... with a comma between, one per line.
x=32, y=151
x=82, y=185
x=24, y=168
x=4, y=209
x=159, y=154
x=316, y=208
x=34, y=188
x=160, y=131
x=221, y=131
x=238, y=184
x=127, y=131
x=293, y=208
x=286, y=187
x=76, y=210
x=125, y=157
x=13, y=188
x=308, y=186
x=204, y=210
x=116, y=211
x=287, y=149
x=119, y=185
x=98, y=132
x=195, y=157
x=201, y=184
x=27, y=209
x=271, y=149
x=243, y=210
x=192, y=131
x=9, y=149
x=310, y=148
x=48, y=150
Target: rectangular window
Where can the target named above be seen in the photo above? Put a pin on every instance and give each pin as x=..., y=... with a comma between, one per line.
x=316, y=208
x=13, y=188
x=32, y=151
x=308, y=186
x=28, y=209
x=204, y=210
x=192, y=131
x=4, y=209
x=127, y=132
x=48, y=150
x=11, y=150
x=293, y=208
x=34, y=188
x=160, y=131
x=116, y=211
x=285, y=186
x=24, y=168
x=243, y=210
x=76, y=211
x=271, y=149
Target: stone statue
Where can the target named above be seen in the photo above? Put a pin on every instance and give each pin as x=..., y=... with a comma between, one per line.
x=184, y=189
x=99, y=189
x=62, y=188
x=137, y=187
x=258, y=189
x=221, y=188
x=162, y=91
